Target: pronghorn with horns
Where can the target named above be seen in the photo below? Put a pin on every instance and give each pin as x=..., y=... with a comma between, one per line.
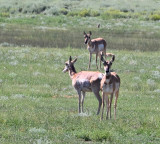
x=84, y=81
x=110, y=85
x=95, y=46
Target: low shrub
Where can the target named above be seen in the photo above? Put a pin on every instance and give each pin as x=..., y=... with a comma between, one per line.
x=85, y=13
x=64, y=11
x=101, y=136
x=4, y=14
x=112, y=13
x=95, y=13
x=33, y=8
x=39, y=9
x=52, y=11
x=72, y=13
x=96, y=135
x=155, y=17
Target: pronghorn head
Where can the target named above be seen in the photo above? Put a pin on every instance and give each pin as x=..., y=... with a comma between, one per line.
x=107, y=64
x=69, y=65
x=87, y=37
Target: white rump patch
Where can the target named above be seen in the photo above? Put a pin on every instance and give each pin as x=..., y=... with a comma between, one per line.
x=100, y=76
x=101, y=47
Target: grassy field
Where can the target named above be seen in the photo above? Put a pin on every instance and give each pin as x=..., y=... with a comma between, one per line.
x=38, y=104
x=61, y=32
x=130, y=25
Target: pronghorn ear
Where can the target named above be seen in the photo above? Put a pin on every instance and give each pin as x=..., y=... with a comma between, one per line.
x=102, y=59
x=70, y=59
x=113, y=58
x=84, y=33
x=90, y=32
x=74, y=60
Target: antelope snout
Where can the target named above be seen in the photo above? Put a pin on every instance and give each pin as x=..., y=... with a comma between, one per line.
x=65, y=70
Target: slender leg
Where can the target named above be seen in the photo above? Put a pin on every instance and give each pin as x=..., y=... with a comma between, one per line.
x=79, y=101
x=95, y=85
x=99, y=60
x=110, y=104
x=104, y=52
x=96, y=61
x=107, y=105
x=82, y=100
x=90, y=57
x=96, y=93
x=115, y=104
x=102, y=105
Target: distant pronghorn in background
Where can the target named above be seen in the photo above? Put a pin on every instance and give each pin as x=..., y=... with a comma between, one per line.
x=109, y=85
x=98, y=26
x=84, y=81
x=95, y=46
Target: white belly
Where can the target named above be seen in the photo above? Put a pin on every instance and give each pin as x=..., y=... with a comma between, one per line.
x=108, y=88
x=91, y=49
x=82, y=84
x=100, y=47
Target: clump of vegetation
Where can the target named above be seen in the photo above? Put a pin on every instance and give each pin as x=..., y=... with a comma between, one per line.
x=95, y=13
x=96, y=135
x=73, y=13
x=155, y=16
x=113, y=13
x=64, y=11
x=4, y=14
x=85, y=13
x=34, y=8
x=52, y=11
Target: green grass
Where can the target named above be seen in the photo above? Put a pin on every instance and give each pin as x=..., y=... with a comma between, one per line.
x=130, y=25
x=35, y=6
x=62, y=32
x=39, y=105
x=37, y=101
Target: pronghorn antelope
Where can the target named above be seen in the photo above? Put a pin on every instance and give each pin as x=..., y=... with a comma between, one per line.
x=84, y=81
x=110, y=84
x=95, y=46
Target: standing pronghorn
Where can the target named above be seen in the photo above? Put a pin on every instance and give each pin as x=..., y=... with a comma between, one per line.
x=84, y=81
x=95, y=46
x=109, y=85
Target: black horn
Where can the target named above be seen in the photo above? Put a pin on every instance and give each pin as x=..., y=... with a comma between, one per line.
x=113, y=58
x=102, y=59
